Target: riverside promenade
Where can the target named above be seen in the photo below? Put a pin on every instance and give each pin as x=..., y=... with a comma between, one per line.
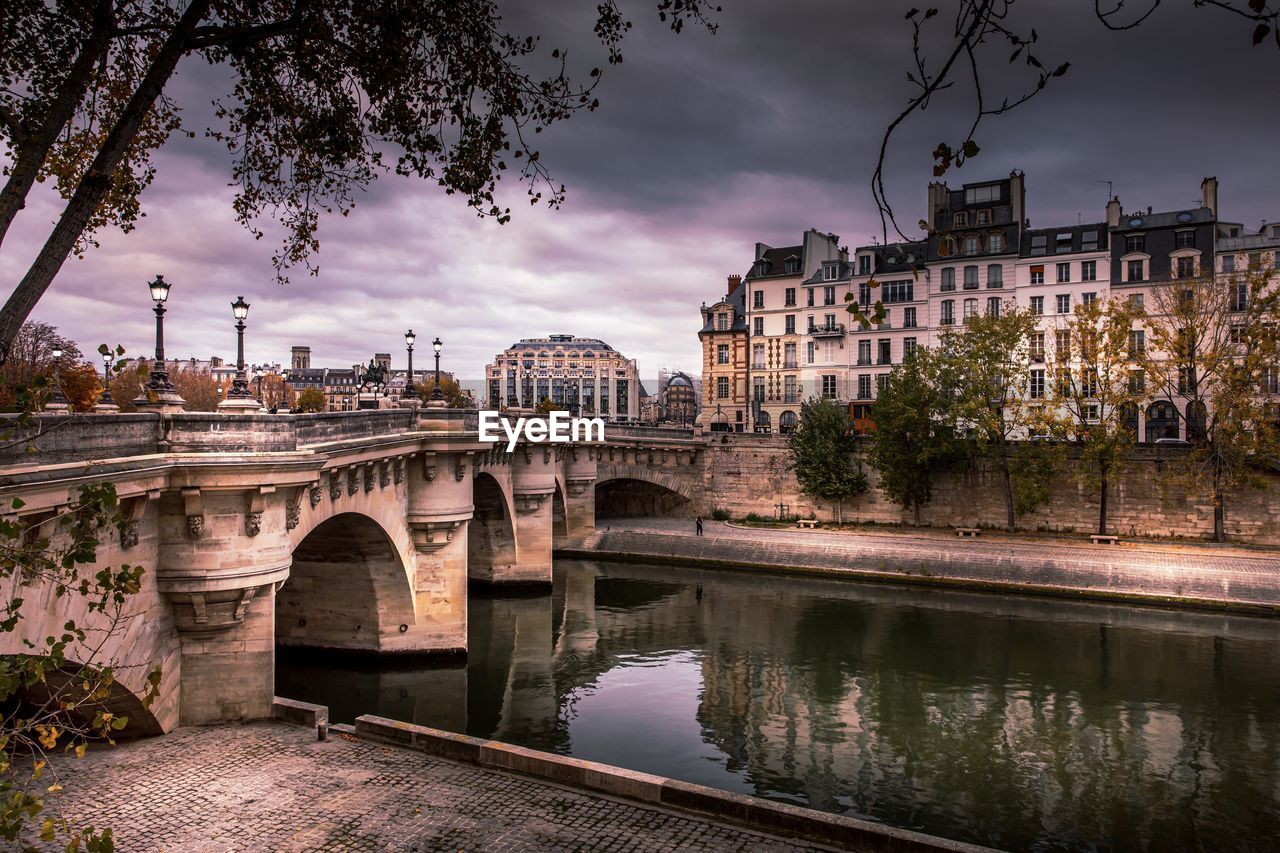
x=1179, y=574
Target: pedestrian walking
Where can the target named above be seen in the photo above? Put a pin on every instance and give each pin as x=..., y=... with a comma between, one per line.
x=697, y=525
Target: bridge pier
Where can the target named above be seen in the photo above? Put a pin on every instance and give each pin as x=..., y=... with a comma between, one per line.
x=533, y=487
x=580, y=492
x=440, y=514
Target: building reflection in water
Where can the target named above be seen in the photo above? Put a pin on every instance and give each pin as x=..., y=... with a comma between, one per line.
x=1017, y=723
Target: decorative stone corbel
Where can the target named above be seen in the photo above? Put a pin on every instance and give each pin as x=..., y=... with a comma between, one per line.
x=527, y=503
x=246, y=595
x=384, y=474
x=429, y=466
x=398, y=466
x=313, y=494
x=255, y=502
x=335, y=484
x=546, y=456
x=133, y=508
x=368, y=478
x=573, y=451
x=353, y=480
x=293, y=508
x=433, y=535
x=459, y=470
x=193, y=506
x=578, y=487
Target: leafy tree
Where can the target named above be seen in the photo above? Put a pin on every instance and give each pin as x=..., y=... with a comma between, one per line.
x=197, y=387
x=1215, y=344
x=325, y=97
x=312, y=400
x=915, y=435
x=988, y=359
x=1095, y=387
x=127, y=383
x=454, y=396
x=81, y=385
x=546, y=406
x=821, y=448
x=276, y=392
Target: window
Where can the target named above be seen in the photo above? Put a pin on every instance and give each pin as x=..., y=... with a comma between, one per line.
x=995, y=276
x=1239, y=297
x=1036, y=346
x=864, y=265
x=1137, y=342
x=789, y=323
x=1037, y=305
x=789, y=389
x=1228, y=263
x=829, y=272
x=948, y=278
x=1064, y=273
x=1137, y=382
x=1089, y=241
x=1255, y=260
x=1137, y=302
x=757, y=299
x=995, y=242
x=810, y=291
x=722, y=353
x=1062, y=344
x=758, y=326
x=790, y=298
x=1088, y=270
x=1037, y=385
x=864, y=386
x=809, y=353
x=969, y=244
x=811, y=324
x=791, y=266
x=1063, y=242
x=908, y=348
x=1270, y=380
x=882, y=381
x=948, y=312
x=1135, y=243
x=757, y=389
x=984, y=217
x=1064, y=303
x=961, y=220
x=979, y=195
x=828, y=385
x=864, y=352
x=829, y=321
x=970, y=309
x=1039, y=244
x=898, y=291
x=789, y=355
x=722, y=387
x=909, y=318
x=1186, y=267
x=828, y=296
x=970, y=278
x=883, y=356
x=1185, y=240
x=722, y=323
x=1089, y=298
x=1037, y=274
x=1136, y=272
x=757, y=357
x=993, y=306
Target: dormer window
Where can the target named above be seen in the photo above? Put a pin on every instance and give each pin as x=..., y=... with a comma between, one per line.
x=969, y=245
x=792, y=266
x=829, y=272
x=995, y=242
x=1135, y=243
x=1039, y=244
x=1064, y=242
x=984, y=217
x=761, y=268
x=864, y=265
x=961, y=219
x=1185, y=240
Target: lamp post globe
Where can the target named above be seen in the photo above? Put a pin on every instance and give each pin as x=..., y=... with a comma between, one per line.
x=409, y=389
x=240, y=397
x=105, y=404
x=159, y=394
x=57, y=400
x=437, y=393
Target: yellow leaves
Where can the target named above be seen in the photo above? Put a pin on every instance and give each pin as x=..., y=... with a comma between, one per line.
x=54, y=788
x=48, y=736
x=47, y=830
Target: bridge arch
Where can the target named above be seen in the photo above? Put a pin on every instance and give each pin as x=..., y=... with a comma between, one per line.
x=492, y=548
x=559, y=515
x=623, y=490
x=348, y=587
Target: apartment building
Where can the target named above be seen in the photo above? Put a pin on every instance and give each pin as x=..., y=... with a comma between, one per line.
x=723, y=336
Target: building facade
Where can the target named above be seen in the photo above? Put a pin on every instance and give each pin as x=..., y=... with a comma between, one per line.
x=724, y=361
x=585, y=376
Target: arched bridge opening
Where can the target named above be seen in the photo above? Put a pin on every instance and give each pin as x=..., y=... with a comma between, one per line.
x=491, y=535
x=624, y=497
x=347, y=589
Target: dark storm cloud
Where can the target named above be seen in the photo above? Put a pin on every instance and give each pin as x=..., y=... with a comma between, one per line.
x=702, y=145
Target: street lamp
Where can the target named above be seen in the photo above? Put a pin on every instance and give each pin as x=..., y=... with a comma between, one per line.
x=159, y=392
x=409, y=390
x=240, y=397
x=437, y=394
x=258, y=373
x=58, y=402
x=105, y=404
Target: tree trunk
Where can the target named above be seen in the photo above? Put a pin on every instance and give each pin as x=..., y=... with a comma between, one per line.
x=1219, y=503
x=97, y=180
x=917, y=513
x=30, y=152
x=1102, y=509
x=1010, y=521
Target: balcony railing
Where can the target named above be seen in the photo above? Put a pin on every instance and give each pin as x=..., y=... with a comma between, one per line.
x=863, y=362
x=827, y=330
x=789, y=364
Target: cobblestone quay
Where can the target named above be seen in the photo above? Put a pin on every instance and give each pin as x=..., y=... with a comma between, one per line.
x=269, y=786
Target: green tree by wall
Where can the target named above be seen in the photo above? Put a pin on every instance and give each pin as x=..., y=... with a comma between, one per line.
x=822, y=449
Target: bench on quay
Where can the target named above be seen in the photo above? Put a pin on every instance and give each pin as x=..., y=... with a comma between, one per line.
x=962, y=532
x=807, y=523
x=1100, y=539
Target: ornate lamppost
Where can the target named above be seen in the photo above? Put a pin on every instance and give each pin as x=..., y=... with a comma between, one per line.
x=409, y=389
x=159, y=394
x=105, y=404
x=437, y=393
x=240, y=397
x=58, y=401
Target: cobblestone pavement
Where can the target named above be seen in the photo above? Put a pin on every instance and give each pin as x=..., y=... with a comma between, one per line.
x=268, y=786
x=1127, y=554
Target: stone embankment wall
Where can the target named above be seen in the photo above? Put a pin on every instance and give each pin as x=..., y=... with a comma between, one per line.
x=752, y=474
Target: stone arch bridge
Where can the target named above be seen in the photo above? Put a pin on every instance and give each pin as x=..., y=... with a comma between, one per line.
x=357, y=531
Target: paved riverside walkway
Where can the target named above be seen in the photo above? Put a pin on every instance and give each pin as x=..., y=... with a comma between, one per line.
x=1201, y=574
x=269, y=786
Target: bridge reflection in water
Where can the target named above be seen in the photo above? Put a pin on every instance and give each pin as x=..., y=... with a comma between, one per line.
x=1018, y=723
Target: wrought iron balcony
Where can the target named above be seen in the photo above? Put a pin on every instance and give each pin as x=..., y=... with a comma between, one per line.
x=828, y=330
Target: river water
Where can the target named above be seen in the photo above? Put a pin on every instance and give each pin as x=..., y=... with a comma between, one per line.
x=1019, y=723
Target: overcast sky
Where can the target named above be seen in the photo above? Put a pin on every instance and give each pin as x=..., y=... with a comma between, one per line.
x=703, y=145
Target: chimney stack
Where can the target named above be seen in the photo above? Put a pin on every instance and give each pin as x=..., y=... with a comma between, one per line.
x=937, y=201
x=1209, y=195
x=734, y=282
x=1113, y=212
